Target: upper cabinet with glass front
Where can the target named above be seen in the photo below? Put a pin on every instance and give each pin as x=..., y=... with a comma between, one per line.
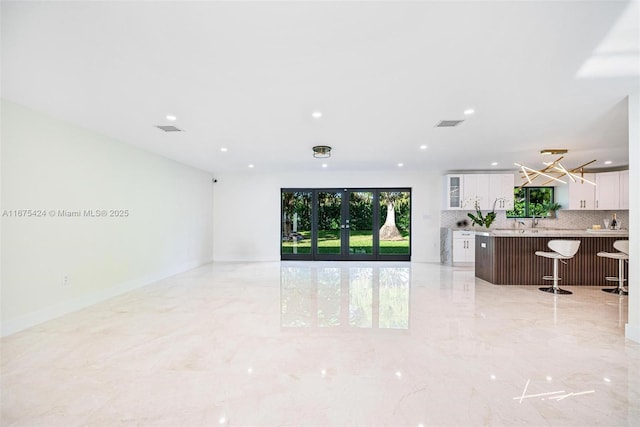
x=452, y=192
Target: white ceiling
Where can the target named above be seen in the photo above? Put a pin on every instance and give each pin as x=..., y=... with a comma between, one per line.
x=248, y=75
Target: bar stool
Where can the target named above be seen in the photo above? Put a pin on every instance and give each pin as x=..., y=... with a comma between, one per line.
x=562, y=249
x=623, y=255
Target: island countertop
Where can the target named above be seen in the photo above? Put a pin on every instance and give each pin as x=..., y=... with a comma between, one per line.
x=508, y=257
x=552, y=232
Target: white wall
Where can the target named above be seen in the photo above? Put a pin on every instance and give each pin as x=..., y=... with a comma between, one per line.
x=51, y=165
x=247, y=209
x=632, y=330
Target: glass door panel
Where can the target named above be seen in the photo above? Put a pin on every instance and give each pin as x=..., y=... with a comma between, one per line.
x=296, y=222
x=395, y=222
x=346, y=224
x=329, y=223
x=360, y=222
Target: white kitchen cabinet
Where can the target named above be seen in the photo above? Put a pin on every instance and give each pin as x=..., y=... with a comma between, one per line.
x=452, y=192
x=461, y=191
x=464, y=246
x=476, y=188
x=607, y=191
x=624, y=189
x=582, y=195
x=501, y=189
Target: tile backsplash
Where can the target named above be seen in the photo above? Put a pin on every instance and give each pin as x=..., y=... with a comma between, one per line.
x=566, y=219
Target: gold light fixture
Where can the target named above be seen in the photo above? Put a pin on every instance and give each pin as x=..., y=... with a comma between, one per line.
x=547, y=151
x=554, y=170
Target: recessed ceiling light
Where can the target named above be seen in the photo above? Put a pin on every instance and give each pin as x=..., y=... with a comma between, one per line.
x=423, y=147
x=224, y=149
x=608, y=162
x=400, y=165
x=494, y=164
x=324, y=165
x=171, y=117
x=316, y=114
x=251, y=165
x=469, y=111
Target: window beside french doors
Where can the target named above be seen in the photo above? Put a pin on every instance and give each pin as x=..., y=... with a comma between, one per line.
x=346, y=224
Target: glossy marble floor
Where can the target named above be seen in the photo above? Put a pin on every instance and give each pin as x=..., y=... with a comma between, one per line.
x=289, y=344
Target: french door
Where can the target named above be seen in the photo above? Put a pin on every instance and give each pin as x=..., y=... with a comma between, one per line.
x=346, y=224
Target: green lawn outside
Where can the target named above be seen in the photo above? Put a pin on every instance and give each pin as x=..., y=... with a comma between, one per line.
x=361, y=242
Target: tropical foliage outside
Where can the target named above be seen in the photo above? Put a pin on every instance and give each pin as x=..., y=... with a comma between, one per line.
x=394, y=226
x=531, y=201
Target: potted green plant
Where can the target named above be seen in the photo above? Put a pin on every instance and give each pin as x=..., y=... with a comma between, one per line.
x=551, y=208
x=480, y=219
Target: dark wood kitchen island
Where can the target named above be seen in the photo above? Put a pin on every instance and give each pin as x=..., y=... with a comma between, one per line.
x=507, y=257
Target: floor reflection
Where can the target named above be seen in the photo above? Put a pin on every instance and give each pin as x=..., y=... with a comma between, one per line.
x=348, y=297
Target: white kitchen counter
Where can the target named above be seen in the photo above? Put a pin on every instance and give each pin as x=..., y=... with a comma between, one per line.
x=549, y=232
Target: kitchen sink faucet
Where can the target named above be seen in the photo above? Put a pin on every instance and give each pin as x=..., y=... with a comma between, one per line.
x=534, y=222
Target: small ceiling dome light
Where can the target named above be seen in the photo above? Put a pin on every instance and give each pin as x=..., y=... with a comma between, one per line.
x=469, y=111
x=316, y=114
x=171, y=117
x=423, y=147
x=321, y=151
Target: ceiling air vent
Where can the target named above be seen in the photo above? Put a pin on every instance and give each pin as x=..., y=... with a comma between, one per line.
x=169, y=128
x=448, y=123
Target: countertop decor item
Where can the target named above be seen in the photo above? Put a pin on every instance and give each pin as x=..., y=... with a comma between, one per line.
x=481, y=220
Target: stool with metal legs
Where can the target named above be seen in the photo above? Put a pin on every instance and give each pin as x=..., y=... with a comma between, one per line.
x=562, y=250
x=623, y=255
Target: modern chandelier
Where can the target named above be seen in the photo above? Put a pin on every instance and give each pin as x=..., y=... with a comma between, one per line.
x=555, y=170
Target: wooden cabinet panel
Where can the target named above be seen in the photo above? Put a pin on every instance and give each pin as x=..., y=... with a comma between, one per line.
x=512, y=261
